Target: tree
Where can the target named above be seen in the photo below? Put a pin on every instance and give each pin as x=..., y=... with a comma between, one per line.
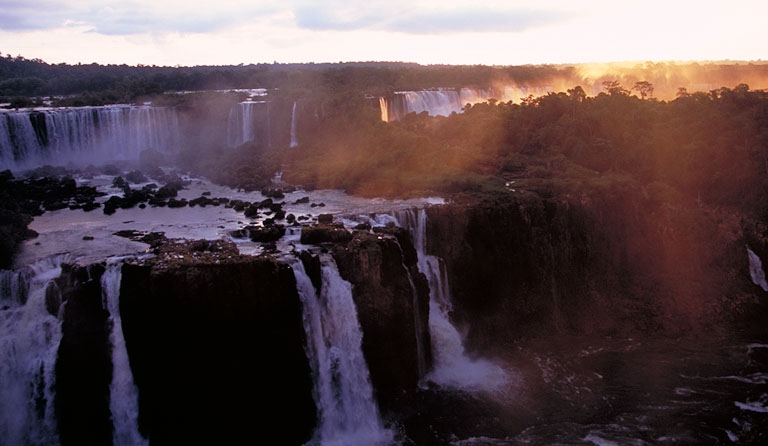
x=577, y=93
x=645, y=89
x=614, y=88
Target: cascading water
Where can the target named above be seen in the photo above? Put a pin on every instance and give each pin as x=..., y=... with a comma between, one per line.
x=440, y=102
x=294, y=138
x=240, y=123
x=86, y=134
x=347, y=411
x=756, y=270
x=123, y=400
x=452, y=367
x=29, y=343
x=384, y=108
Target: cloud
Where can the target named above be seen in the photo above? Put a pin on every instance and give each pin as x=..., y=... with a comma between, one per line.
x=128, y=17
x=339, y=15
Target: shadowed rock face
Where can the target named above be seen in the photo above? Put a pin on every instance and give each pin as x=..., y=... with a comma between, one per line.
x=217, y=351
x=84, y=364
x=378, y=271
x=601, y=265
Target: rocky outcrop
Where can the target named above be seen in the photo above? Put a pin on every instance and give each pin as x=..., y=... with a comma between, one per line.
x=391, y=323
x=216, y=343
x=604, y=264
x=84, y=364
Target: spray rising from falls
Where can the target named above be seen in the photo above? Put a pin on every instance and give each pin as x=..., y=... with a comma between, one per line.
x=85, y=135
x=30, y=332
x=123, y=400
x=453, y=368
x=294, y=139
x=347, y=411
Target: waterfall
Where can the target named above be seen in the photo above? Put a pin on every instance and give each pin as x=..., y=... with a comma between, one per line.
x=29, y=343
x=421, y=360
x=452, y=367
x=85, y=135
x=124, y=396
x=294, y=139
x=347, y=411
x=384, y=108
x=756, y=271
x=240, y=124
x=441, y=102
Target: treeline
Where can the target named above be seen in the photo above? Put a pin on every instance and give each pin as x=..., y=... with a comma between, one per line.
x=708, y=148
x=25, y=80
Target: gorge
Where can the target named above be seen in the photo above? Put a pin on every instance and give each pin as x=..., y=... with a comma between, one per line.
x=480, y=279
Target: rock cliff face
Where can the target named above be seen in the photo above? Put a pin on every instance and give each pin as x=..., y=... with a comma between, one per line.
x=607, y=265
x=218, y=347
x=84, y=365
x=392, y=318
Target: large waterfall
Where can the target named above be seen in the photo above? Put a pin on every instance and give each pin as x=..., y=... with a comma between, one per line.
x=85, y=135
x=441, y=102
x=123, y=400
x=347, y=411
x=452, y=367
x=249, y=121
x=30, y=332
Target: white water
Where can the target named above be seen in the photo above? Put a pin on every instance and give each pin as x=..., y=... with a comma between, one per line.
x=294, y=139
x=124, y=396
x=240, y=123
x=440, y=102
x=91, y=134
x=347, y=411
x=384, y=109
x=756, y=270
x=452, y=367
x=29, y=343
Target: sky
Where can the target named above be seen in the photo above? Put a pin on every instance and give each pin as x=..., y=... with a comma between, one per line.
x=494, y=32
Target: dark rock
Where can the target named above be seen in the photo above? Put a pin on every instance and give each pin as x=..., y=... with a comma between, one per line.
x=325, y=219
x=206, y=194
x=273, y=193
x=314, y=235
x=269, y=233
x=279, y=215
x=363, y=227
x=119, y=182
x=290, y=218
x=252, y=211
x=174, y=203
x=187, y=326
x=313, y=267
x=156, y=201
x=388, y=308
x=84, y=362
x=302, y=200
x=136, y=177
x=87, y=237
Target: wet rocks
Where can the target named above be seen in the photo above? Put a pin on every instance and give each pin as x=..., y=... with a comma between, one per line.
x=265, y=234
x=315, y=235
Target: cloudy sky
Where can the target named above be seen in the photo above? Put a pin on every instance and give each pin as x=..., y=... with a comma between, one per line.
x=215, y=32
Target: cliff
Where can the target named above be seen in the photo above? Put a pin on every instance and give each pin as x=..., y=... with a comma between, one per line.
x=609, y=263
x=394, y=320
